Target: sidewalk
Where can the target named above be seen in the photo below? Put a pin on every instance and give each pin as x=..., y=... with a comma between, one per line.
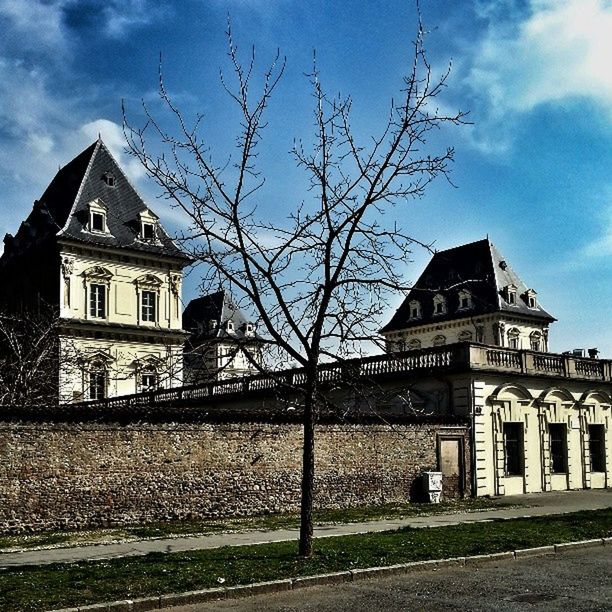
x=538, y=505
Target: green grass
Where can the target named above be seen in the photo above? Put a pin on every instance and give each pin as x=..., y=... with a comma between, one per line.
x=64, y=585
x=265, y=522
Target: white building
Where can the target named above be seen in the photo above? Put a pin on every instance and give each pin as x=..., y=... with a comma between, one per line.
x=469, y=293
x=94, y=251
x=223, y=343
x=539, y=421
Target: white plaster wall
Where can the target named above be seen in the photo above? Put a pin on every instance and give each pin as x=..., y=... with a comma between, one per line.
x=516, y=403
x=121, y=367
x=453, y=329
x=122, y=297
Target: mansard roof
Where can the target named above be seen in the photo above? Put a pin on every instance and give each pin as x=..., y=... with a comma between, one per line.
x=206, y=318
x=63, y=209
x=477, y=267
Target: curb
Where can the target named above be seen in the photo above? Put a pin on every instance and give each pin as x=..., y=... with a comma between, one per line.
x=277, y=586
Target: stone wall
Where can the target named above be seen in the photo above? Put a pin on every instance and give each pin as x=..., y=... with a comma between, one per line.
x=84, y=474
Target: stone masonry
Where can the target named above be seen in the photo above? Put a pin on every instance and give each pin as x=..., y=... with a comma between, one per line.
x=75, y=475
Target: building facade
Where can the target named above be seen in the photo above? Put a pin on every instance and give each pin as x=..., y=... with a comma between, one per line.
x=222, y=343
x=469, y=294
x=92, y=251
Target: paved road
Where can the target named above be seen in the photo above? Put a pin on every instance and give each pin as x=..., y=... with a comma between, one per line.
x=538, y=505
x=576, y=581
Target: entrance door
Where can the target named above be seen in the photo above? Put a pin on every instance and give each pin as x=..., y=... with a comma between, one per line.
x=450, y=457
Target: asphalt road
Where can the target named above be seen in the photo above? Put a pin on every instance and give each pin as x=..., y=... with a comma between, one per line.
x=576, y=581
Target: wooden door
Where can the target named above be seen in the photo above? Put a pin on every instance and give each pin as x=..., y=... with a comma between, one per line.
x=450, y=453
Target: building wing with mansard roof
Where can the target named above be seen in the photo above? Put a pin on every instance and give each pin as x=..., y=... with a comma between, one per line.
x=223, y=342
x=92, y=249
x=469, y=292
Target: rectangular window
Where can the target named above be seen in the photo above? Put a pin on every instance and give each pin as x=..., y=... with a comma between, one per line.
x=558, y=448
x=597, y=448
x=97, y=222
x=148, y=231
x=149, y=382
x=514, y=449
x=97, y=301
x=148, y=305
x=97, y=385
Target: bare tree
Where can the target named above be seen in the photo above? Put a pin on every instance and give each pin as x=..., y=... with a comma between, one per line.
x=29, y=352
x=320, y=278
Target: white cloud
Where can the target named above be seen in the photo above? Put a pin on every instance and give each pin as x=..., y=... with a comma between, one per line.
x=113, y=137
x=33, y=22
x=602, y=246
x=560, y=51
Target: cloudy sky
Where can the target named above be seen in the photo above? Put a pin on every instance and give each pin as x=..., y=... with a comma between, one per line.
x=534, y=171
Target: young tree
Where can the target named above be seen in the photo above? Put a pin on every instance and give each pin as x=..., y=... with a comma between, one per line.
x=320, y=278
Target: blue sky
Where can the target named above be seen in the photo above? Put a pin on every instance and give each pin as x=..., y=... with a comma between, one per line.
x=534, y=172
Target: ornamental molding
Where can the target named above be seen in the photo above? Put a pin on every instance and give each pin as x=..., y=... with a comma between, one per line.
x=149, y=281
x=98, y=273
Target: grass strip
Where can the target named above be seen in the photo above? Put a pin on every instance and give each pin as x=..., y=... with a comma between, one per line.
x=263, y=522
x=65, y=585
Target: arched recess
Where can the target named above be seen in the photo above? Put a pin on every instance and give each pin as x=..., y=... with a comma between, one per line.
x=511, y=391
x=595, y=395
x=556, y=394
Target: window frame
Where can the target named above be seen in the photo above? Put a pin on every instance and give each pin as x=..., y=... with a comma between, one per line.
x=439, y=305
x=558, y=455
x=514, y=337
x=514, y=448
x=143, y=231
x=97, y=289
x=148, y=311
x=96, y=374
x=600, y=451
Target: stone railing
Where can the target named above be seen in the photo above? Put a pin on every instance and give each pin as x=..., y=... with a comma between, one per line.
x=532, y=362
x=347, y=371
x=460, y=357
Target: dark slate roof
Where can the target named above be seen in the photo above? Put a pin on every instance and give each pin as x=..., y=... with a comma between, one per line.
x=478, y=267
x=63, y=208
x=218, y=307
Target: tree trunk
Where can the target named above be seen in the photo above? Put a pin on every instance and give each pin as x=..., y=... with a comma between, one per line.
x=305, y=547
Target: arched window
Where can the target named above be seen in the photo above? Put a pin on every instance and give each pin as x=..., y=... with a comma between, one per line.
x=513, y=338
x=439, y=304
x=439, y=340
x=465, y=336
x=414, y=344
x=535, y=341
x=415, y=309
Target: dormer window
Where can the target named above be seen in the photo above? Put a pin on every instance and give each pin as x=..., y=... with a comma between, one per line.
x=530, y=298
x=148, y=231
x=212, y=324
x=510, y=292
x=415, y=309
x=148, y=226
x=97, y=217
x=439, y=304
x=230, y=326
x=97, y=222
x=109, y=179
x=465, y=300
x=250, y=328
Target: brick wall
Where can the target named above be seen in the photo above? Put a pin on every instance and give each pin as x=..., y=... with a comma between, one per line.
x=77, y=475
